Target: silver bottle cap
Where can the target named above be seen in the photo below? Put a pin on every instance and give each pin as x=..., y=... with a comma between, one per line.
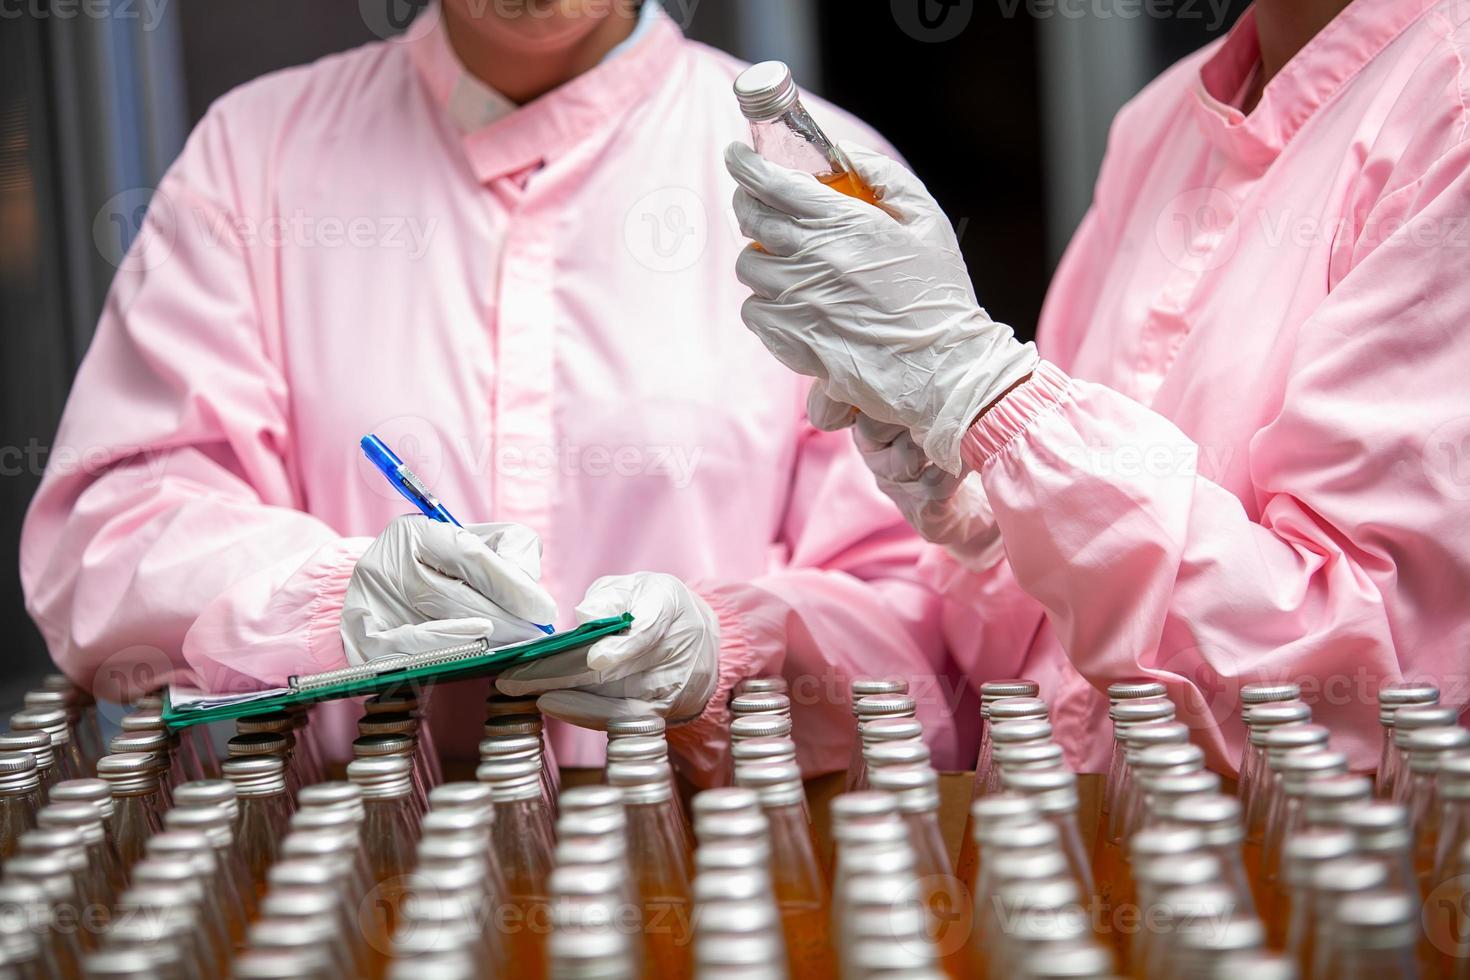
x=1135, y=689
x=756, y=685
x=256, y=775
x=644, y=725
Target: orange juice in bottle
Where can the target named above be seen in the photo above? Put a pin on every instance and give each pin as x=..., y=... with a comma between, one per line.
x=782, y=131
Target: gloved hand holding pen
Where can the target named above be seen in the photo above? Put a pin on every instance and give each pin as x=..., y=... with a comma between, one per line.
x=425, y=584
x=874, y=302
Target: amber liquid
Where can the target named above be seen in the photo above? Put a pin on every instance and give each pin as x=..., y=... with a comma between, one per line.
x=846, y=183
x=1114, y=887
x=808, y=951
x=850, y=184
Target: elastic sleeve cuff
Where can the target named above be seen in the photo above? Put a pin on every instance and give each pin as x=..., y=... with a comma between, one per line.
x=1046, y=390
x=711, y=729
x=324, y=616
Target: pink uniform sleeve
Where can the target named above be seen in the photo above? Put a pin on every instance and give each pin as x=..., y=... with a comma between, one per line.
x=167, y=537
x=845, y=601
x=1349, y=566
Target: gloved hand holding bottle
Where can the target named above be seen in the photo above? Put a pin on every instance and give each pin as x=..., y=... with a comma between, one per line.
x=945, y=509
x=424, y=585
x=666, y=664
x=874, y=302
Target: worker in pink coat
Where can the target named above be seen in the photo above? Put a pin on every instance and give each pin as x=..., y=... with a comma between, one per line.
x=502, y=243
x=1240, y=447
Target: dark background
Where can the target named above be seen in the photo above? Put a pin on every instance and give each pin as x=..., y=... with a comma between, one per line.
x=88, y=108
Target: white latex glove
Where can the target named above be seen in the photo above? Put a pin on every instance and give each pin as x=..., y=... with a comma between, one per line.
x=666, y=664
x=875, y=302
x=945, y=509
x=424, y=585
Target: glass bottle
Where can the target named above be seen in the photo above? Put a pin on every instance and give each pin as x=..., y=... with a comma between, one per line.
x=182, y=766
x=402, y=747
x=757, y=751
x=523, y=849
x=796, y=873
x=1151, y=763
x=282, y=964
x=1326, y=801
x=1125, y=713
x=524, y=726
x=1425, y=748
x=1277, y=742
x=265, y=811
x=58, y=909
x=503, y=705
x=1255, y=775
x=1252, y=695
x=1199, y=945
x=738, y=939
x=888, y=934
x=182, y=876
x=654, y=749
x=298, y=765
x=990, y=692
x=1405, y=721
x=713, y=808
x=1453, y=788
x=389, y=826
x=133, y=779
x=255, y=744
x=1162, y=885
x=320, y=910
x=1054, y=791
x=1392, y=697
x=1022, y=852
x=302, y=933
x=1157, y=844
x=20, y=798
x=67, y=847
x=662, y=868
x=54, y=722
x=237, y=897
x=156, y=746
x=403, y=702
x=916, y=791
x=1295, y=772
x=1294, y=925
x=1332, y=882
x=104, y=878
x=81, y=709
x=782, y=131
x=329, y=890
x=37, y=745
x=1044, y=917
x=1218, y=818
x=987, y=814
x=865, y=687
x=407, y=726
x=1378, y=930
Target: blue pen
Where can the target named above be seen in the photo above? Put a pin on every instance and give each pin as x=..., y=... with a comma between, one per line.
x=412, y=488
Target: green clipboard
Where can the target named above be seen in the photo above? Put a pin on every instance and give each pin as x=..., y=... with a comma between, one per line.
x=475, y=659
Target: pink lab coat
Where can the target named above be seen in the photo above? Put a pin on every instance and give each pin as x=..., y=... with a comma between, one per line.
x=539, y=314
x=1248, y=454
